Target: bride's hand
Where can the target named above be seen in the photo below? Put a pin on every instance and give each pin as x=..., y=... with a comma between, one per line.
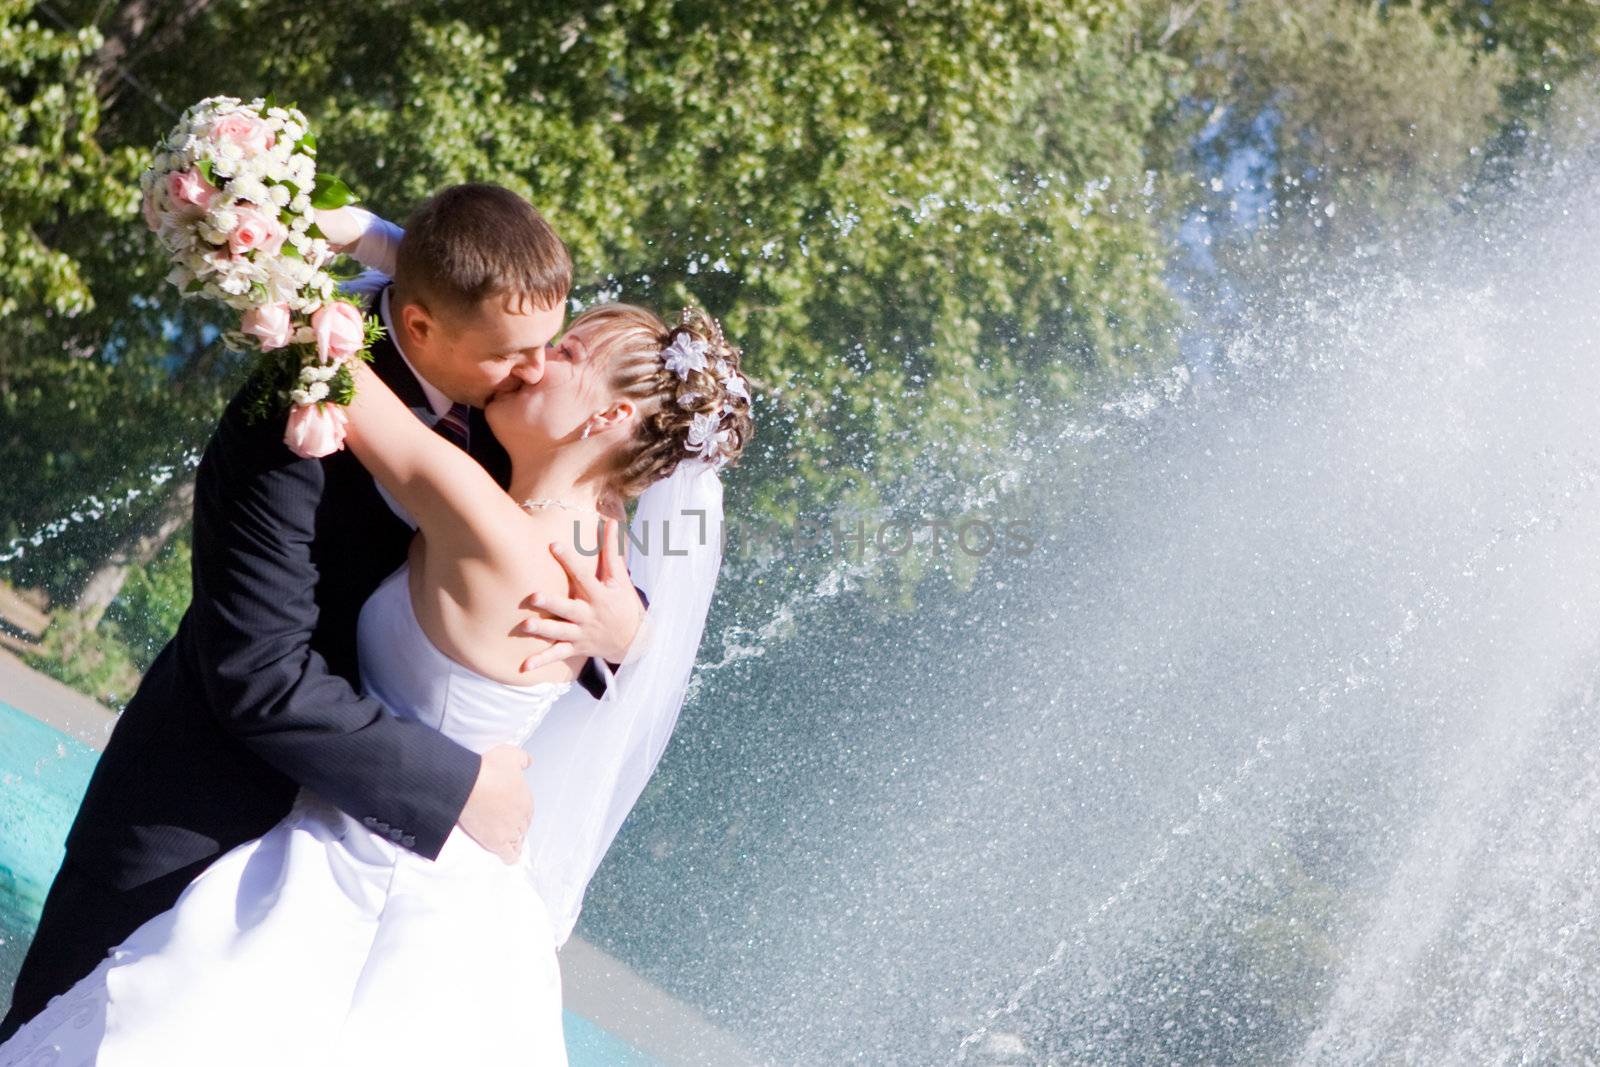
x=601, y=621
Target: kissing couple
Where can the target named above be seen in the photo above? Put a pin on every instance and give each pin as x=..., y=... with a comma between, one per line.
x=350, y=814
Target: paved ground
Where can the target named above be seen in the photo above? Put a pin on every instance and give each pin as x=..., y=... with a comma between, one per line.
x=48, y=700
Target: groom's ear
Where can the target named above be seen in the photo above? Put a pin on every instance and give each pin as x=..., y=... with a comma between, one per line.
x=417, y=323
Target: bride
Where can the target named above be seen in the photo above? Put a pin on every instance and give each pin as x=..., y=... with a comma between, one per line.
x=324, y=942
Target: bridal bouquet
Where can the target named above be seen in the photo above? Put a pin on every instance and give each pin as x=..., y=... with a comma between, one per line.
x=231, y=194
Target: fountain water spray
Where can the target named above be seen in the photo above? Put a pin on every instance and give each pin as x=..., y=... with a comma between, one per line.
x=1163, y=790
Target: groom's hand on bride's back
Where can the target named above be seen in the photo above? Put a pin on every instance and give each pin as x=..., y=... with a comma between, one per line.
x=500, y=808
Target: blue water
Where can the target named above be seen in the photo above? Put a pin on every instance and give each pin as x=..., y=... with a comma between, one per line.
x=43, y=773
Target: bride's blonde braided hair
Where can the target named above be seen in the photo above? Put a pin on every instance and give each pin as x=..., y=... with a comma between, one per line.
x=684, y=410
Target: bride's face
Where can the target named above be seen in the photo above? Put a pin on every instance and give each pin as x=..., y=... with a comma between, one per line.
x=551, y=410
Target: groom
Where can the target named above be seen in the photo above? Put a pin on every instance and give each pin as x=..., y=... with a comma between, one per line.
x=257, y=694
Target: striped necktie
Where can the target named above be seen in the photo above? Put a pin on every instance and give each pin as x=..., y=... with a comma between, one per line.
x=453, y=426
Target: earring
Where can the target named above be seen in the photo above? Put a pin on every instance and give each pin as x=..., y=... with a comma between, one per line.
x=586, y=428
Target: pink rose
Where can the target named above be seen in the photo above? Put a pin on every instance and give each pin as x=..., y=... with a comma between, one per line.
x=315, y=430
x=192, y=193
x=251, y=134
x=152, y=213
x=256, y=231
x=340, y=331
x=269, y=325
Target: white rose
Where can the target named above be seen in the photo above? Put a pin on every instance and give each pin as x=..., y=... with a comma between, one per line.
x=293, y=131
x=280, y=195
x=301, y=204
x=300, y=396
x=318, y=391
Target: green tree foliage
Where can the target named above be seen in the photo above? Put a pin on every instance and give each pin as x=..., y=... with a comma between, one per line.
x=860, y=192
x=52, y=164
x=97, y=369
x=1355, y=119
x=920, y=219
x=1546, y=41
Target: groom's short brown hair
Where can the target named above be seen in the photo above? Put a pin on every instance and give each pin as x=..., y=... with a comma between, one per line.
x=469, y=242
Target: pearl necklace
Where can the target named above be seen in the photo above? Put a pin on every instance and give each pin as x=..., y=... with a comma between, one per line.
x=531, y=506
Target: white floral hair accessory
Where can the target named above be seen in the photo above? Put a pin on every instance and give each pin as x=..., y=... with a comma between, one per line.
x=732, y=382
x=686, y=353
x=706, y=438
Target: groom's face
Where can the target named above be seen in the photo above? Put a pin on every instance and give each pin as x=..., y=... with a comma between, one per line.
x=470, y=354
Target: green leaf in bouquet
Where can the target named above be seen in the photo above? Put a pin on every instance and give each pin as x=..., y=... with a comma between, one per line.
x=315, y=233
x=307, y=144
x=331, y=193
x=195, y=286
x=343, y=269
x=374, y=333
x=204, y=167
x=342, y=387
x=289, y=251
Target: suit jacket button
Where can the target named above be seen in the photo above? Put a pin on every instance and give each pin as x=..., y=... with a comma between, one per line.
x=369, y=822
x=408, y=841
x=396, y=834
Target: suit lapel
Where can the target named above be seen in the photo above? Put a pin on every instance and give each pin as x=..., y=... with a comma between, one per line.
x=391, y=367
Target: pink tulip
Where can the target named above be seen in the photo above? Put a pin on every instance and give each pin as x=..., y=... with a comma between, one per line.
x=339, y=330
x=256, y=231
x=251, y=134
x=269, y=325
x=315, y=430
x=190, y=192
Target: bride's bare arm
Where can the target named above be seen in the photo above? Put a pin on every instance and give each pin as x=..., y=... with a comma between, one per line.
x=454, y=500
x=368, y=238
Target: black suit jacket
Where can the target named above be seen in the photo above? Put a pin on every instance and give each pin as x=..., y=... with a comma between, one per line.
x=258, y=692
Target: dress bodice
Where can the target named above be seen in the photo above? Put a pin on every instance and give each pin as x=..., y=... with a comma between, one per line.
x=408, y=674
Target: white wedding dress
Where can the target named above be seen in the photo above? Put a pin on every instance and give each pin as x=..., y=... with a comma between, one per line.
x=324, y=942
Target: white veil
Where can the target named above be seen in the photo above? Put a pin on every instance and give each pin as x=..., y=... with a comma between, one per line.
x=591, y=759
